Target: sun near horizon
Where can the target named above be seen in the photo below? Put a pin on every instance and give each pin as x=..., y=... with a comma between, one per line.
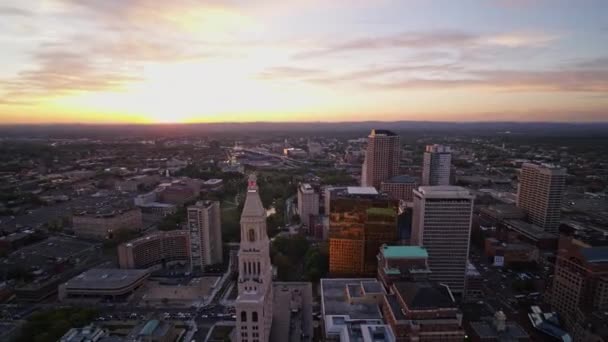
x=185, y=62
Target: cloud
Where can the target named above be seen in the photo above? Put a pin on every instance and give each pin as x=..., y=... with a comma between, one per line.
x=287, y=72
x=432, y=40
x=324, y=77
x=521, y=39
x=512, y=80
x=62, y=72
x=411, y=40
x=596, y=63
x=14, y=11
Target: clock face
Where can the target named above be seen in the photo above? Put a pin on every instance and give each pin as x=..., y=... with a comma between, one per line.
x=251, y=234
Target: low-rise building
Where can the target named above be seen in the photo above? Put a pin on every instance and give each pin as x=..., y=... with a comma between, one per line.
x=50, y=263
x=154, y=331
x=137, y=183
x=102, y=224
x=497, y=329
x=351, y=306
x=423, y=311
x=99, y=284
x=508, y=254
x=88, y=333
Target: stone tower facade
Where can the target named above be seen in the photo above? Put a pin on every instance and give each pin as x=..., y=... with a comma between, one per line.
x=254, y=301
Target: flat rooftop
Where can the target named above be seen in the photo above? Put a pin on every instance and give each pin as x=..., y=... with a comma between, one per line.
x=595, y=254
x=361, y=190
x=54, y=248
x=487, y=330
x=335, y=302
x=399, y=252
x=444, y=191
x=105, y=278
x=529, y=229
x=292, y=313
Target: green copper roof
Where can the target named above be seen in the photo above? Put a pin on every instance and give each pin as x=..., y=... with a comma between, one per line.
x=392, y=252
x=382, y=211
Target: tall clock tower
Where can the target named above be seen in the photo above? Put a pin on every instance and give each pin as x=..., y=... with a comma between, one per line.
x=254, y=302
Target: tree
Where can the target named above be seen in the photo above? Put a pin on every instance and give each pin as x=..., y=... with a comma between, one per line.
x=50, y=325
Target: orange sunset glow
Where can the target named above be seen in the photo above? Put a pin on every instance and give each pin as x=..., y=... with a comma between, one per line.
x=196, y=61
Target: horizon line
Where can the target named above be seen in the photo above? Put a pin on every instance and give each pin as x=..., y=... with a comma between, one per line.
x=295, y=122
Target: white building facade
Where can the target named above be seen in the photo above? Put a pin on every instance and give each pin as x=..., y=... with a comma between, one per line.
x=442, y=224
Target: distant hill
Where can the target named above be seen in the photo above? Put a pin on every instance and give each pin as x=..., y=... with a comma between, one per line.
x=156, y=130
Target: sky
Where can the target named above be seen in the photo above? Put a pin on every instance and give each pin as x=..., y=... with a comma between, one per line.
x=181, y=61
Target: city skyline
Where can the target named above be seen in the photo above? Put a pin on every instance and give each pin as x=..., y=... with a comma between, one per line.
x=185, y=61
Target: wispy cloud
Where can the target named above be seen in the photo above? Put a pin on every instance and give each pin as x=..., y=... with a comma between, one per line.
x=512, y=80
x=410, y=40
x=14, y=11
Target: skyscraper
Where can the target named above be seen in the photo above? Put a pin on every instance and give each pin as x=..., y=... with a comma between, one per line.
x=442, y=224
x=360, y=221
x=254, y=301
x=204, y=224
x=381, y=158
x=436, y=165
x=540, y=193
x=308, y=203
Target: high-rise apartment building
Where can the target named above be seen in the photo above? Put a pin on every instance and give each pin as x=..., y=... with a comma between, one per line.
x=255, y=296
x=204, y=225
x=579, y=291
x=436, y=165
x=381, y=158
x=540, y=193
x=442, y=224
x=308, y=203
x=360, y=221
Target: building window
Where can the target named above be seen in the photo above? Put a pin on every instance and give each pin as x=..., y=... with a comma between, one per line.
x=254, y=316
x=243, y=316
x=251, y=235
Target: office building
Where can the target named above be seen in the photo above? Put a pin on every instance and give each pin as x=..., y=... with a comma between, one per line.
x=308, y=204
x=255, y=296
x=436, y=165
x=204, y=224
x=442, y=224
x=540, y=194
x=580, y=288
x=400, y=187
x=157, y=249
x=381, y=158
x=361, y=220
